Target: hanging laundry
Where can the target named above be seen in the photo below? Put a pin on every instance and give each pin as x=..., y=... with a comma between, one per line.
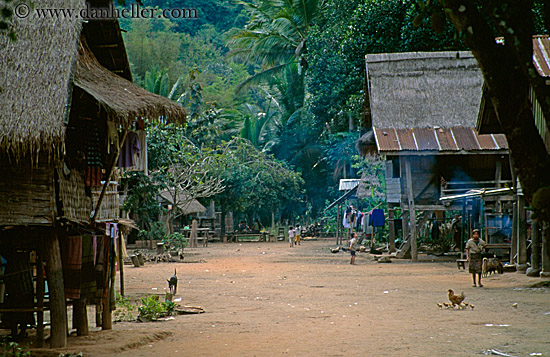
x=71, y=256
x=377, y=217
x=129, y=148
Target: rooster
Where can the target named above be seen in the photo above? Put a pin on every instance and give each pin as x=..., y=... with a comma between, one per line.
x=456, y=299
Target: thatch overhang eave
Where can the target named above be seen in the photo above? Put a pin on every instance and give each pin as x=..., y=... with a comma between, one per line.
x=122, y=100
x=35, y=77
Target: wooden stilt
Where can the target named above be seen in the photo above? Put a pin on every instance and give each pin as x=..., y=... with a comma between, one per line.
x=534, y=270
x=121, y=263
x=58, y=310
x=412, y=210
x=80, y=321
x=391, y=226
x=521, y=266
x=545, y=258
x=40, y=299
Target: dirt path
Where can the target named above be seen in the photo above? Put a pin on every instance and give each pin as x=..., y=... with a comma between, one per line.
x=266, y=299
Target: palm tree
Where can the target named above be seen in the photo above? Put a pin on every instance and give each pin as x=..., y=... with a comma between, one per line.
x=276, y=35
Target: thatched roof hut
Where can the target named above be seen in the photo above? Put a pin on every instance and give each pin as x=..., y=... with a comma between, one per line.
x=38, y=71
x=35, y=82
x=424, y=89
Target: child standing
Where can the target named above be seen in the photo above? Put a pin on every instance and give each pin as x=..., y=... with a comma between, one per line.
x=298, y=235
x=352, y=244
x=290, y=235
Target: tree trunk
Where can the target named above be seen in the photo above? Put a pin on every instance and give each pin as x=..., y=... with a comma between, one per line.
x=503, y=67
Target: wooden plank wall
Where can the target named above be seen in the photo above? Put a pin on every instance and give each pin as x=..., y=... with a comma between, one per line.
x=27, y=194
x=422, y=171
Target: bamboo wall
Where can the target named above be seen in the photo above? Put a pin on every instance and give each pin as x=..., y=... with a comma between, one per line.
x=27, y=195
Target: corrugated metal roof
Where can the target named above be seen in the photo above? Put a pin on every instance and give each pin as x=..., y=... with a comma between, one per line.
x=437, y=139
x=348, y=184
x=541, y=55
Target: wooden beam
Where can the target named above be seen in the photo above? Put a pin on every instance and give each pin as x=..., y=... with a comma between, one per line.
x=412, y=210
x=56, y=287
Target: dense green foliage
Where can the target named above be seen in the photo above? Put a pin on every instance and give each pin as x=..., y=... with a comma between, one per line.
x=285, y=76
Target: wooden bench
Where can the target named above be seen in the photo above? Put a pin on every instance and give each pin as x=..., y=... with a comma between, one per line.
x=461, y=263
x=247, y=237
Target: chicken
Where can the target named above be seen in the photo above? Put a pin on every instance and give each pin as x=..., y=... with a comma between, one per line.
x=456, y=299
x=439, y=305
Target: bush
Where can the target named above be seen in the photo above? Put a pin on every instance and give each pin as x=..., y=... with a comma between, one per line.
x=176, y=240
x=124, y=309
x=152, y=308
x=12, y=349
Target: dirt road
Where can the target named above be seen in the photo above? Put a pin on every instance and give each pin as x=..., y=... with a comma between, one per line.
x=266, y=299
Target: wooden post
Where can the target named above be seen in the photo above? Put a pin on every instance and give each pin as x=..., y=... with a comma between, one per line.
x=391, y=226
x=121, y=262
x=405, y=224
x=40, y=298
x=521, y=266
x=58, y=310
x=80, y=317
x=545, y=273
x=534, y=270
x=338, y=226
x=412, y=210
x=514, y=243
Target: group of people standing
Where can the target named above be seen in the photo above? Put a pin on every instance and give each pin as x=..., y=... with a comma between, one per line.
x=294, y=235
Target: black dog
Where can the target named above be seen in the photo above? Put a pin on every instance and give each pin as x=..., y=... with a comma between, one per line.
x=173, y=283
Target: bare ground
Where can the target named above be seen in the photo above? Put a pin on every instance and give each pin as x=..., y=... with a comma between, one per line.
x=267, y=299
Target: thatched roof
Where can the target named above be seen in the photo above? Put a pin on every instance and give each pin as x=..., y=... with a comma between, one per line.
x=122, y=100
x=185, y=205
x=35, y=73
x=424, y=89
x=36, y=81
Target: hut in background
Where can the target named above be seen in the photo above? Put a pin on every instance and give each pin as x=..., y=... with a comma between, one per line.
x=67, y=104
x=424, y=107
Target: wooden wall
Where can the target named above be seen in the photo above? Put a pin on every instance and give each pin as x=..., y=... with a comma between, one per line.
x=27, y=195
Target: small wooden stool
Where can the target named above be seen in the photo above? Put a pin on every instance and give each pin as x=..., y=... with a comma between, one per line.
x=461, y=263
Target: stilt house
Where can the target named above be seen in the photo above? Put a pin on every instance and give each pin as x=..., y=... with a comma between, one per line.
x=67, y=103
x=424, y=108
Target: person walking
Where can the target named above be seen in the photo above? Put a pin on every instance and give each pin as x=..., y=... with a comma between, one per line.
x=474, y=247
x=291, y=236
x=352, y=245
x=297, y=235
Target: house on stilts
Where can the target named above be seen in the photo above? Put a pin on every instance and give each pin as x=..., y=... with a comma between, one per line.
x=423, y=109
x=67, y=105
x=488, y=124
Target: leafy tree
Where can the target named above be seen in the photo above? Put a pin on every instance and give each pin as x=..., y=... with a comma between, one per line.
x=256, y=183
